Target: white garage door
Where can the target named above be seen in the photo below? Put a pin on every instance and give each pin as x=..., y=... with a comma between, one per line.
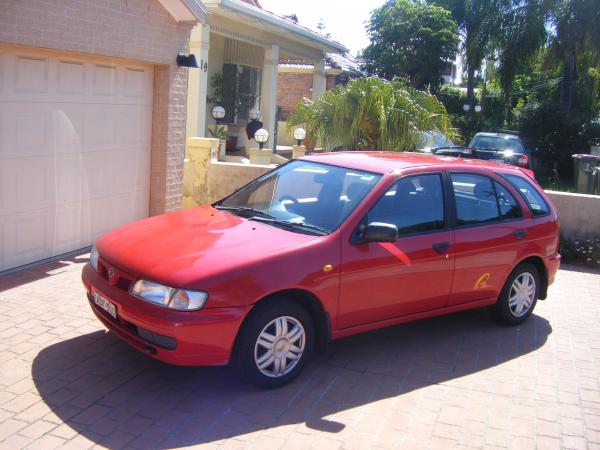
x=74, y=150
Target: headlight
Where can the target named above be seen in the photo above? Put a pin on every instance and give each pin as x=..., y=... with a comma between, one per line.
x=94, y=258
x=167, y=297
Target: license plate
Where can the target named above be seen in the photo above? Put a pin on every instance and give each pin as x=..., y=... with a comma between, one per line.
x=106, y=305
x=499, y=161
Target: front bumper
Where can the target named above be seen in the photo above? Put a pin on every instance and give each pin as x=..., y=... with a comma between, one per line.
x=202, y=338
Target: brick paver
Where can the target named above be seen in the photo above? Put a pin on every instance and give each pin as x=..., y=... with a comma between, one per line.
x=459, y=381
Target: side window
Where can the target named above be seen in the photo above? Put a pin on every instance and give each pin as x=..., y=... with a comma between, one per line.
x=531, y=195
x=509, y=208
x=413, y=204
x=475, y=199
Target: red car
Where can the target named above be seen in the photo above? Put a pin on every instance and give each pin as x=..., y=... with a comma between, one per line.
x=321, y=248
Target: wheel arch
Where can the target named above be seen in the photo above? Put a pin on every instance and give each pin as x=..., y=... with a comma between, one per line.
x=538, y=263
x=308, y=301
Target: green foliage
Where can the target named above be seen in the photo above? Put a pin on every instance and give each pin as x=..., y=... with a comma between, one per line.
x=555, y=135
x=575, y=24
x=467, y=125
x=371, y=113
x=477, y=22
x=519, y=37
x=410, y=39
x=220, y=132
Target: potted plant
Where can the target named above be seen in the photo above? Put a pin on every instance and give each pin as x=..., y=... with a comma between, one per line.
x=220, y=132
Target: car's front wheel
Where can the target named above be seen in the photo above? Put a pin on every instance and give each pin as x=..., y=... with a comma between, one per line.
x=274, y=344
x=519, y=295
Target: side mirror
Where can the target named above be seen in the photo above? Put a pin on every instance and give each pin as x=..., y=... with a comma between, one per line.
x=378, y=232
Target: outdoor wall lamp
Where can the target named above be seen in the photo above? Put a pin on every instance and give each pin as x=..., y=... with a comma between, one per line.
x=254, y=114
x=218, y=112
x=466, y=107
x=299, y=135
x=477, y=108
x=187, y=60
x=261, y=136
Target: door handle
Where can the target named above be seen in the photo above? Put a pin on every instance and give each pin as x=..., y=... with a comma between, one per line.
x=520, y=234
x=441, y=247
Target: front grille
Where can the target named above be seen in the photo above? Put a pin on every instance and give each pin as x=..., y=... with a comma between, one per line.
x=124, y=284
x=119, y=279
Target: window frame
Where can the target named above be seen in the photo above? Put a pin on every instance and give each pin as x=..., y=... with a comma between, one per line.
x=456, y=225
x=445, y=204
x=533, y=216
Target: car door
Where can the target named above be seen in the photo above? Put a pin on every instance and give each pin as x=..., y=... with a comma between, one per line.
x=382, y=281
x=489, y=236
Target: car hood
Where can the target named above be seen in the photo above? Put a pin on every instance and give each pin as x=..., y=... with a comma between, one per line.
x=180, y=248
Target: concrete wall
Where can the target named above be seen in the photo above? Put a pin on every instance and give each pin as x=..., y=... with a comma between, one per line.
x=207, y=180
x=141, y=30
x=579, y=214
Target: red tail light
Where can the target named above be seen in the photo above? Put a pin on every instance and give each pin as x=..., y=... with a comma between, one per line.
x=523, y=161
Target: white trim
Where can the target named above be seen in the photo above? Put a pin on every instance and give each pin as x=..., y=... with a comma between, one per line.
x=284, y=25
x=185, y=10
x=238, y=36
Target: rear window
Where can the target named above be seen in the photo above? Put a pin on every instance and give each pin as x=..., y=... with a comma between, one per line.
x=536, y=203
x=497, y=143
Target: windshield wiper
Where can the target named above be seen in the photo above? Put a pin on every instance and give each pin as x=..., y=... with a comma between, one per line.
x=293, y=225
x=244, y=210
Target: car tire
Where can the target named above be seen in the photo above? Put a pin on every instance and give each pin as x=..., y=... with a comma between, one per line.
x=288, y=329
x=519, y=295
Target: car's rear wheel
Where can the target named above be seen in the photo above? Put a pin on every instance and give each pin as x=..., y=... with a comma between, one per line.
x=274, y=343
x=519, y=295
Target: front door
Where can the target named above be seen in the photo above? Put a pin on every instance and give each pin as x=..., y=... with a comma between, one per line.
x=382, y=281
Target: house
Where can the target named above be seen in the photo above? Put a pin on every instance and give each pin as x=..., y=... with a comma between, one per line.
x=241, y=52
x=92, y=119
x=295, y=79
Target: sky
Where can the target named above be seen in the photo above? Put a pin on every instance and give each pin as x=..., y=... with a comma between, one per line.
x=344, y=19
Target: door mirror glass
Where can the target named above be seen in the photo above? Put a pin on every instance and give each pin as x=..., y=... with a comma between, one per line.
x=379, y=232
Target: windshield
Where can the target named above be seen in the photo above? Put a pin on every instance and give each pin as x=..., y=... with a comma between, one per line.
x=303, y=192
x=434, y=139
x=496, y=143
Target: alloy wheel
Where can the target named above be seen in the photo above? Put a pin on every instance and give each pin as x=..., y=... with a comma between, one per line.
x=522, y=294
x=279, y=346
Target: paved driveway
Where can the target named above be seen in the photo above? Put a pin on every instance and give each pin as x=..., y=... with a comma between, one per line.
x=457, y=381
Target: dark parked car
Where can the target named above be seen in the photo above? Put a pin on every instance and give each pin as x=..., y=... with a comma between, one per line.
x=501, y=147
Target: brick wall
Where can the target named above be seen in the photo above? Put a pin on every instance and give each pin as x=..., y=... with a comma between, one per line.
x=133, y=29
x=291, y=87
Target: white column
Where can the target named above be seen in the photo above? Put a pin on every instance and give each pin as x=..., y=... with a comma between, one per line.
x=268, y=93
x=198, y=82
x=318, y=79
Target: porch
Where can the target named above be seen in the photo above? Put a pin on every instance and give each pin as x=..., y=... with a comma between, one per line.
x=240, y=52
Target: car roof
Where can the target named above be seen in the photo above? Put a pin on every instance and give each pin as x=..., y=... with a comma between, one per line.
x=502, y=135
x=390, y=162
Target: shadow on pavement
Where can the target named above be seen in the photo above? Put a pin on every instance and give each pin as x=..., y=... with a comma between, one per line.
x=38, y=271
x=115, y=396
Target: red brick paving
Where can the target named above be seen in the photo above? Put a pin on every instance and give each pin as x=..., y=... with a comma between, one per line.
x=451, y=382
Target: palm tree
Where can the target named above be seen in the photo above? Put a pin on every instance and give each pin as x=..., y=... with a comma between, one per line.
x=371, y=113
